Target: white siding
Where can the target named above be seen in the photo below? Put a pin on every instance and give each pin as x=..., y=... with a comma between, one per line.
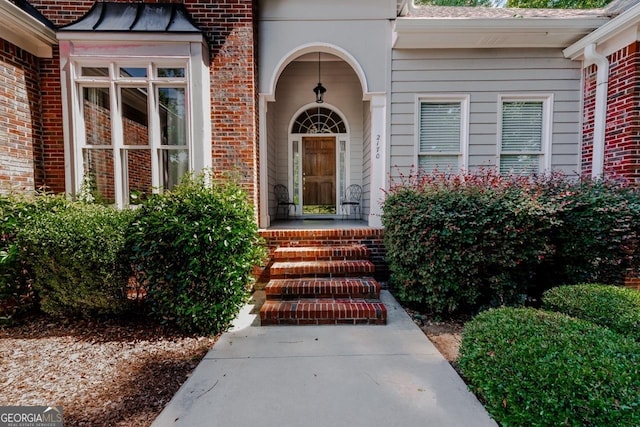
x=484, y=74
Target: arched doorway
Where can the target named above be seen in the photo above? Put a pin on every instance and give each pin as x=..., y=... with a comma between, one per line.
x=318, y=159
x=349, y=128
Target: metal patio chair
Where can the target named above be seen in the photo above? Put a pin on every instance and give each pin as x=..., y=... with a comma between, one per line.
x=351, y=201
x=283, y=201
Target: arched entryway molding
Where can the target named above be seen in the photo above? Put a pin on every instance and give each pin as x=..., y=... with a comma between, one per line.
x=314, y=48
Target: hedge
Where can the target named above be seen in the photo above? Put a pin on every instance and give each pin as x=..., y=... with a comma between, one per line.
x=16, y=212
x=77, y=259
x=457, y=243
x=194, y=249
x=613, y=307
x=471, y=241
x=536, y=368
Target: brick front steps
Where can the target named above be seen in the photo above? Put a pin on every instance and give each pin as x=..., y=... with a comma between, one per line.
x=322, y=285
x=365, y=287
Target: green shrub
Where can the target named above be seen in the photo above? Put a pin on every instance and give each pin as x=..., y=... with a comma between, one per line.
x=596, y=232
x=195, y=248
x=76, y=257
x=16, y=212
x=613, y=307
x=463, y=241
x=536, y=368
x=467, y=241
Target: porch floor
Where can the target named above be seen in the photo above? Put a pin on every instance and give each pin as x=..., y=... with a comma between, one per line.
x=318, y=224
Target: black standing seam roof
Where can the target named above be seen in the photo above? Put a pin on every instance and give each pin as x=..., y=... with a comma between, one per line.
x=135, y=17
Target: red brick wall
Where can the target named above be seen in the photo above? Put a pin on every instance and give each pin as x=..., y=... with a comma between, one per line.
x=230, y=28
x=20, y=118
x=622, y=132
x=230, y=24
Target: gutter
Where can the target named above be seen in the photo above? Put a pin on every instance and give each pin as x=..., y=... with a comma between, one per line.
x=26, y=31
x=605, y=32
x=592, y=56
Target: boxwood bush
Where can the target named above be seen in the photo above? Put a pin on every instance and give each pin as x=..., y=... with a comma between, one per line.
x=536, y=368
x=77, y=259
x=194, y=248
x=16, y=212
x=459, y=242
x=613, y=307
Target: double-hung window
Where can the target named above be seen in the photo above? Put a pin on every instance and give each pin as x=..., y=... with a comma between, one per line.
x=442, y=133
x=525, y=134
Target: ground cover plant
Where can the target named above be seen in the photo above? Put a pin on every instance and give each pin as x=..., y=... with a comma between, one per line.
x=537, y=368
x=463, y=242
x=614, y=307
x=194, y=249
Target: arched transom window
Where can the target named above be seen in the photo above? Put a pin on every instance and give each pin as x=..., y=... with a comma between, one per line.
x=319, y=120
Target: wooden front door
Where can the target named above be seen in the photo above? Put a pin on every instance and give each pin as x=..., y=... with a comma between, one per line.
x=319, y=175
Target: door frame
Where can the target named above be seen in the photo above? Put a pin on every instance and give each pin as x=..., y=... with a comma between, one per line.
x=340, y=139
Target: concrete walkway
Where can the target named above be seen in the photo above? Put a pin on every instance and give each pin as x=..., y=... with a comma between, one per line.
x=325, y=376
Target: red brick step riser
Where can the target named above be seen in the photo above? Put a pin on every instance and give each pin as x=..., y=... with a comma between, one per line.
x=292, y=270
x=323, y=288
x=322, y=253
x=319, y=312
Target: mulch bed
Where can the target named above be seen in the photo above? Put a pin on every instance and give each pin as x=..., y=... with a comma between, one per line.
x=112, y=373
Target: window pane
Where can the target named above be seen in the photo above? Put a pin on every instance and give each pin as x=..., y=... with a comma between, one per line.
x=98, y=165
x=97, y=115
x=174, y=164
x=133, y=72
x=95, y=72
x=173, y=128
x=429, y=164
x=135, y=119
x=519, y=164
x=170, y=72
x=296, y=173
x=522, y=126
x=440, y=127
x=137, y=174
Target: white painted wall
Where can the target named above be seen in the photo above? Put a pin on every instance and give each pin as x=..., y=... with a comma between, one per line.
x=484, y=74
x=366, y=42
x=282, y=10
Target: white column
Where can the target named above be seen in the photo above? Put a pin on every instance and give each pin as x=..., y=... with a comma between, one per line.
x=600, y=111
x=263, y=216
x=378, y=157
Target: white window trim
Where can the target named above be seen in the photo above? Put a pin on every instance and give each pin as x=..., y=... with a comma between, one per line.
x=185, y=51
x=547, y=127
x=464, y=100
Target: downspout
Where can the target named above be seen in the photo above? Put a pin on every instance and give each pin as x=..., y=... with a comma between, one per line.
x=592, y=56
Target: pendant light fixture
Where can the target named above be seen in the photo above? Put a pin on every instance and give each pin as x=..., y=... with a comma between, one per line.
x=319, y=90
